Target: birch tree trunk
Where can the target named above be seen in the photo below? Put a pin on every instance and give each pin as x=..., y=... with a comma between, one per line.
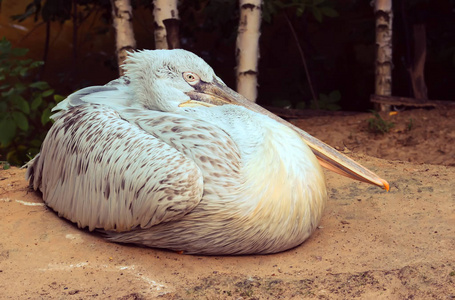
x=122, y=20
x=247, y=51
x=383, y=73
x=167, y=21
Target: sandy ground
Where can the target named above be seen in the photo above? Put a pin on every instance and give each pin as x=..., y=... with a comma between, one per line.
x=370, y=244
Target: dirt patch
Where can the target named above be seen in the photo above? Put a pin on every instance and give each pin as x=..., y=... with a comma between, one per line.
x=420, y=282
x=418, y=136
x=370, y=244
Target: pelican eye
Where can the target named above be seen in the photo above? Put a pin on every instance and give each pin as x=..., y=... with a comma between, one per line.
x=191, y=78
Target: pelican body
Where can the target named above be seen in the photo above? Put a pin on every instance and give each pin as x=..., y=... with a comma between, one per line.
x=169, y=157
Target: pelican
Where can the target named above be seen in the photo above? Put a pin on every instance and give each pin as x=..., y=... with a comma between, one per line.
x=169, y=157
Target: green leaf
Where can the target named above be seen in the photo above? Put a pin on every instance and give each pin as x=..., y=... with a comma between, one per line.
x=47, y=93
x=4, y=57
x=5, y=165
x=18, y=70
x=19, y=51
x=19, y=88
x=267, y=11
x=279, y=4
x=36, y=64
x=8, y=131
x=59, y=98
x=323, y=98
x=317, y=14
x=20, y=120
x=300, y=105
x=41, y=85
x=32, y=152
x=335, y=95
x=45, y=116
x=36, y=143
x=21, y=103
x=4, y=86
x=11, y=156
x=24, y=62
x=3, y=107
x=5, y=46
x=279, y=102
x=8, y=93
x=36, y=102
x=333, y=107
x=23, y=71
x=328, y=11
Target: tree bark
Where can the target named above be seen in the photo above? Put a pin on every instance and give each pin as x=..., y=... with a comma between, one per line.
x=247, y=51
x=167, y=21
x=417, y=69
x=383, y=73
x=172, y=33
x=122, y=20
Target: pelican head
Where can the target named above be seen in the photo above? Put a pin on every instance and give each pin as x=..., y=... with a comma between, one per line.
x=168, y=80
x=162, y=79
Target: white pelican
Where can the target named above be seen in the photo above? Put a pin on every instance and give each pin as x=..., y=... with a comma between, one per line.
x=169, y=157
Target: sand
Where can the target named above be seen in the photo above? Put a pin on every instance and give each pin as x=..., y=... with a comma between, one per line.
x=370, y=244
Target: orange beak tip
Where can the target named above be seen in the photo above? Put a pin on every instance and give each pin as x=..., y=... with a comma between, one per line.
x=386, y=185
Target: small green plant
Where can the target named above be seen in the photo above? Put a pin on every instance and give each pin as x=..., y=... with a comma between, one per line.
x=452, y=273
x=25, y=105
x=410, y=124
x=4, y=165
x=378, y=125
x=279, y=102
x=328, y=101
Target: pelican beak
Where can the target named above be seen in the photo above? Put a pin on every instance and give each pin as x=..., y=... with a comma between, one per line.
x=217, y=93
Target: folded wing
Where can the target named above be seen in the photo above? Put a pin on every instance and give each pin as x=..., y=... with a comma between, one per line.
x=100, y=171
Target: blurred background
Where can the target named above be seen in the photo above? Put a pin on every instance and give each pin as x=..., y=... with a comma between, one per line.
x=51, y=48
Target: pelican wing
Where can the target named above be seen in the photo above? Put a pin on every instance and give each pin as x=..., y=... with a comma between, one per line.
x=101, y=171
x=115, y=94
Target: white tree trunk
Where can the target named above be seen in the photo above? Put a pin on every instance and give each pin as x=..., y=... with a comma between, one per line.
x=164, y=10
x=247, y=52
x=383, y=81
x=122, y=20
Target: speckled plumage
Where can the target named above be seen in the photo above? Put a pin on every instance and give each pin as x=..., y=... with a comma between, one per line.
x=126, y=159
